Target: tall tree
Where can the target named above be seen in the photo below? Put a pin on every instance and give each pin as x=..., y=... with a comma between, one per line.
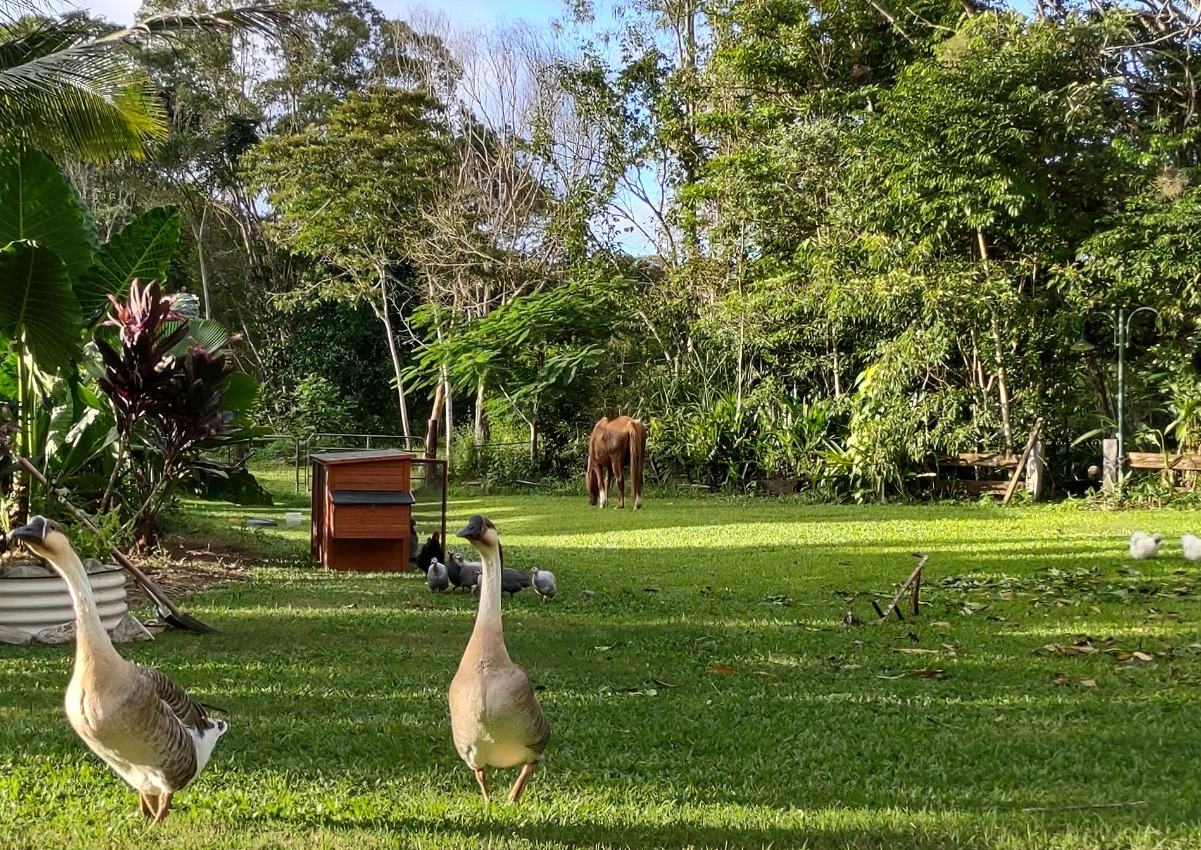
x=352, y=194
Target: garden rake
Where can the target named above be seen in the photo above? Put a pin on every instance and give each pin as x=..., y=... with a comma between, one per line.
x=165, y=607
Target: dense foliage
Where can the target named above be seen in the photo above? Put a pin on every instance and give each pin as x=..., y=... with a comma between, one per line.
x=868, y=237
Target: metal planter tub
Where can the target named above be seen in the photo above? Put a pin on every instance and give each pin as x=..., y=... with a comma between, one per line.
x=34, y=603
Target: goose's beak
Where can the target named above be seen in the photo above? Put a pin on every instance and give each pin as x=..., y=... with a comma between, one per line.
x=474, y=530
x=34, y=531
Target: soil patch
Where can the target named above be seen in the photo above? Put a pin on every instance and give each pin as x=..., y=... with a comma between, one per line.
x=186, y=565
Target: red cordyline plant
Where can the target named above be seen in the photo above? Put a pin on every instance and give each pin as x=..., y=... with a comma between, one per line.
x=166, y=402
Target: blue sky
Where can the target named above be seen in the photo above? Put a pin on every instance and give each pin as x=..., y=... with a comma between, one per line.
x=460, y=11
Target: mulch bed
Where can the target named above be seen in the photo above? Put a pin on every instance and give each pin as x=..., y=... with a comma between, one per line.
x=185, y=566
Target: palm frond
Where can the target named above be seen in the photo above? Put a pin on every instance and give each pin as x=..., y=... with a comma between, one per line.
x=267, y=21
x=31, y=38
x=65, y=88
x=86, y=98
x=13, y=10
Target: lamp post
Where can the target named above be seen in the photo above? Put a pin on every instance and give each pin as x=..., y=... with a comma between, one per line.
x=1121, y=320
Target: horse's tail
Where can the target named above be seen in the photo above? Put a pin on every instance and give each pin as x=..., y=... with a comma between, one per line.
x=637, y=432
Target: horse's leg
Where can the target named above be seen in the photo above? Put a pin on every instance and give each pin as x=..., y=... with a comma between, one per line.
x=618, y=473
x=602, y=480
x=590, y=480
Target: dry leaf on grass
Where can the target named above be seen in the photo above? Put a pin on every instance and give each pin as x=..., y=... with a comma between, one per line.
x=720, y=669
x=1088, y=683
x=1070, y=649
x=928, y=674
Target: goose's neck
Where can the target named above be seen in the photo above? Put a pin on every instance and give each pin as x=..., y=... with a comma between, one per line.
x=91, y=640
x=490, y=586
x=488, y=631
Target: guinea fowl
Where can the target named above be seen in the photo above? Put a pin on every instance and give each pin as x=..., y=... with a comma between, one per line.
x=1190, y=544
x=495, y=719
x=467, y=574
x=147, y=728
x=462, y=573
x=436, y=576
x=1144, y=545
x=544, y=583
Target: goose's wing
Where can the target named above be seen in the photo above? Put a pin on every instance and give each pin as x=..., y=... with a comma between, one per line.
x=512, y=692
x=176, y=732
x=190, y=713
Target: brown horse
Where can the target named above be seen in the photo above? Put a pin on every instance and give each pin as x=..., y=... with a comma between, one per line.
x=612, y=444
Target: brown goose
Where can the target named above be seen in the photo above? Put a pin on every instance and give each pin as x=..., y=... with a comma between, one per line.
x=494, y=718
x=148, y=730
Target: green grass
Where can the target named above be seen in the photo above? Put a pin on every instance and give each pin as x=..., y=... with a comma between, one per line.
x=815, y=736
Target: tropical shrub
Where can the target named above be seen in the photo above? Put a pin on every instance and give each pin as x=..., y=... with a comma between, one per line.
x=55, y=278
x=174, y=392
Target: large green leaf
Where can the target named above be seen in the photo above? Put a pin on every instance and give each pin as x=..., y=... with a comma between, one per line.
x=39, y=204
x=209, y=334
x=8, y=376
x=221, y=482
x=38, y=306
x=141, y=250
x=240, y=395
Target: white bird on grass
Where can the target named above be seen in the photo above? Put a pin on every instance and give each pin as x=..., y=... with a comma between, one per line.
x=544, y=583
x=1144, y=545
x=1191, y=544
x=436, y=576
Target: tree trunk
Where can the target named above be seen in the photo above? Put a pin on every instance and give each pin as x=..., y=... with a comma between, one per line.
x=198, y=234
x=533, y=441
x=998, y=359
x=448, y=418
x=394, y=354
x=431, y=431
x=1002, y=384
x=481, y=420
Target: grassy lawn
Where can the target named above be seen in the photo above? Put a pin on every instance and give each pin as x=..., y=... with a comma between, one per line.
x=701, y=687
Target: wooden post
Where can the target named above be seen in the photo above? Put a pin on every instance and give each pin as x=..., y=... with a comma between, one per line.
x=1111, y=468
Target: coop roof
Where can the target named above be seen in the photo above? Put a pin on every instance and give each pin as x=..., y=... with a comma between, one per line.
x=371, y=497
x=353, y=457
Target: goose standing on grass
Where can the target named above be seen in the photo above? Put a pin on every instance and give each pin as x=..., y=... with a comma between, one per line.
x=148, y=730
x=544, y=583
x=495, y=719
x=1144, y=545
x=1190, y=544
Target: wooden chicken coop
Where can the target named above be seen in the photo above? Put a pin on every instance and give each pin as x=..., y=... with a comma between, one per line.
x=362, y=510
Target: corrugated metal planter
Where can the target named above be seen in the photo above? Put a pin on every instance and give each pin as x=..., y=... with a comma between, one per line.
x=34, y=603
